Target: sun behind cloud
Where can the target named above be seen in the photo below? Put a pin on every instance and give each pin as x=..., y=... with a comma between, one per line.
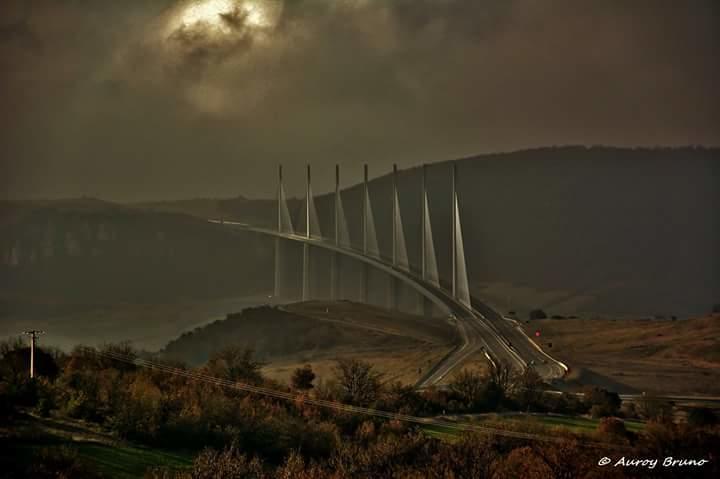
x=223, y=16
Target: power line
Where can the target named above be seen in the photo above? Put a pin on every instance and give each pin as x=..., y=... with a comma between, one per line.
x=299, y=398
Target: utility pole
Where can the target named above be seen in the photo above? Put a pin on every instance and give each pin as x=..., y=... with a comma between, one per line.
x=33, y=333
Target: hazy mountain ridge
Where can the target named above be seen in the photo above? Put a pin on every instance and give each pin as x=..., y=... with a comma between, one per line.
x=88, y=250
x=589, y=230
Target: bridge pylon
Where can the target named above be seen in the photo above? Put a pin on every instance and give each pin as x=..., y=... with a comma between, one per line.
x=460, y=286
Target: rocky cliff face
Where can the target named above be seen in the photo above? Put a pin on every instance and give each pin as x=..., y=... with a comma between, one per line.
x=123, y=254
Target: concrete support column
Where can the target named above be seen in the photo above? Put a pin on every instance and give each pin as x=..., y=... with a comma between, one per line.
x=306, y=273
x=423, y=231
x=454, y=231
x=334, y=272
x=364, y=279
x=278, y=264
x=306, y=247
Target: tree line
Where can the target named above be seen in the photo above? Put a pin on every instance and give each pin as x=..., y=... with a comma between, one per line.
x=237, y=434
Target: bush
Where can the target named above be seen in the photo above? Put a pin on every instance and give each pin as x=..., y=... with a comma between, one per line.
x=59, y=462
x=612, y=426
x=602, y=403
x=303, y=378
x=359, y=382
x=701, y=417
x=655, y=409
x=229, y=463
x=538, y=314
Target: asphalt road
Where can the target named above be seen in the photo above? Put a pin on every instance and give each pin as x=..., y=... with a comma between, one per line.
x=481, y=329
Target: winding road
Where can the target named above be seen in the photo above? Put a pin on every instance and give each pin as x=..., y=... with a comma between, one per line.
x=481, y=329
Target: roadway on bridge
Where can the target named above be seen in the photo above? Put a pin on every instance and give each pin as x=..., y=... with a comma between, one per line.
x=482, y=330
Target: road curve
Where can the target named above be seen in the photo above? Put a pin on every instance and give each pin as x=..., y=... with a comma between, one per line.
x=481, y=329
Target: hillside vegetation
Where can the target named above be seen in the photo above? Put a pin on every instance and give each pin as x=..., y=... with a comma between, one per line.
x=318, y=333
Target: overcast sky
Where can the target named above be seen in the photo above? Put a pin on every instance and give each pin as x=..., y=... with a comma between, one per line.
x=135, y=100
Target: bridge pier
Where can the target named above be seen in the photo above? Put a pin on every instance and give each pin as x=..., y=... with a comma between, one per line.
x=306, y=272
x=398, y=297
x=394, y=291
x=278, y=263
x=364, y=285
x=334, y=277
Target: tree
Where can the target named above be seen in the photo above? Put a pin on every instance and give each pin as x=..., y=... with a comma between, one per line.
x=470, y=387
x=359, y=383
x=499, y=384
x=59, y=461
x=303, y=378
x=602, y=403
x=701, y=417
x=522, y=462
x=228, y=463
x=655, y=409
x=528, y=388
x=236, y=364
x=612, y=426
x=538, y=314
x=15, y=364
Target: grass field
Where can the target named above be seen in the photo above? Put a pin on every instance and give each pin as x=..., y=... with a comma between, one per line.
x=401, y=346
x=576, y=424
x=99, y=450
x=113, y=461
x=636, y=355
x=533, y=422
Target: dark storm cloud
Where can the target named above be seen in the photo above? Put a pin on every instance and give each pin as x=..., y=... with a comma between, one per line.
x=102, y=98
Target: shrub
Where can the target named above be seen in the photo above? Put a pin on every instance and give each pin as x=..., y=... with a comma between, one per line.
x=229, y=463
x=701, y=417
x=612, y=426
x=303, y=378
x=359, y=382
x=538, y=314
x=602, y=403
x=59, y=462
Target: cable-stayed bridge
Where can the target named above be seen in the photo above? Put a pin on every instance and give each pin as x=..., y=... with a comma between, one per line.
x=361, y=273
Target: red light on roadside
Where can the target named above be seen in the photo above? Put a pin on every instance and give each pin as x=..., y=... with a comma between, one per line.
x=537, y=334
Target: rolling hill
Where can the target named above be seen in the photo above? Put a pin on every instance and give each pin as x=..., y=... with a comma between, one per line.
x=318, y=333
x=651, y=355
x=598, y=231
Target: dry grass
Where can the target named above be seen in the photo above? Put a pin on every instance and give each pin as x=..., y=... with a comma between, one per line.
x=642, y=355
x=402, y=346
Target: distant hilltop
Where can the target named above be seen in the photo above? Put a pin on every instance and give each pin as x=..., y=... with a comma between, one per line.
x=588, y=231
x=595, y=231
